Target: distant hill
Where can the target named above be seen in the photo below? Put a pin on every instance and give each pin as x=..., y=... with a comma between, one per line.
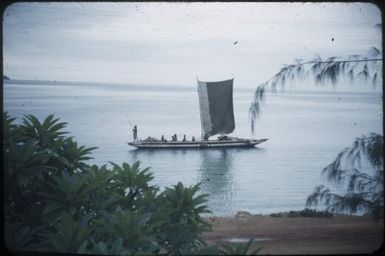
x=6, y=77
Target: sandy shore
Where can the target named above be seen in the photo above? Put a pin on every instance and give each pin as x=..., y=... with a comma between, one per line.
x=300, y=235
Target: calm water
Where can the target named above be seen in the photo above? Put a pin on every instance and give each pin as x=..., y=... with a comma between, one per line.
x=306, y=130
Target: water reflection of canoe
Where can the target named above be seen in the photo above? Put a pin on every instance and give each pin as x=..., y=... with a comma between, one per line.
x=231, y=142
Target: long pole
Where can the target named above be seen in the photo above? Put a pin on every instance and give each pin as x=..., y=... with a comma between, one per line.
x=128, y=120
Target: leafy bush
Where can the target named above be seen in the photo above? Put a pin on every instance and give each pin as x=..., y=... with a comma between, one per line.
x=56, y=202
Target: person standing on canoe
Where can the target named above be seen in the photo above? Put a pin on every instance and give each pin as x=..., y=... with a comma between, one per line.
x=135, y=133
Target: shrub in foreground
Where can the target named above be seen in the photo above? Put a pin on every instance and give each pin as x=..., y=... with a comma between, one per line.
x=55, y=202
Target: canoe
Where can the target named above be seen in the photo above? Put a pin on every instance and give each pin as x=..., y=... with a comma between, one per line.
x=233, y=143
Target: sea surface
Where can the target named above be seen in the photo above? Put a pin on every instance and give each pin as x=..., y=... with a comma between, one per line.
x=306, y=130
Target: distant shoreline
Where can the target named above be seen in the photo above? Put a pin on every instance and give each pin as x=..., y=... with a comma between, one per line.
x=54, y=82
x=74, y=83
x=286, y=91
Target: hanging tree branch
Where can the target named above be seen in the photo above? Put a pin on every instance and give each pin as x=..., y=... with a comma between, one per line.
x=364, y=187
x=367, y=67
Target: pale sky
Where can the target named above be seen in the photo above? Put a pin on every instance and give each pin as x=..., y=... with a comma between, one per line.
x=171, y=43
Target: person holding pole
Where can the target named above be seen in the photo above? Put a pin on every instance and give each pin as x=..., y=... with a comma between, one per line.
x=135, y=133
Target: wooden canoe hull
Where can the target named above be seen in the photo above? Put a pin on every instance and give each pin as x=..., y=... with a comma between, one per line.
x=197, y=144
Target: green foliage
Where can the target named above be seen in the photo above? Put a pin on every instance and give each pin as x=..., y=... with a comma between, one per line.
x=183, y=223
x=56, y=202
x=19, y=236
x=66, y=234
x=44, y=134
x=360, y=169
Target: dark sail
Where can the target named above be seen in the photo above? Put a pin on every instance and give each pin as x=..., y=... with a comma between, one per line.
x=216, y=107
